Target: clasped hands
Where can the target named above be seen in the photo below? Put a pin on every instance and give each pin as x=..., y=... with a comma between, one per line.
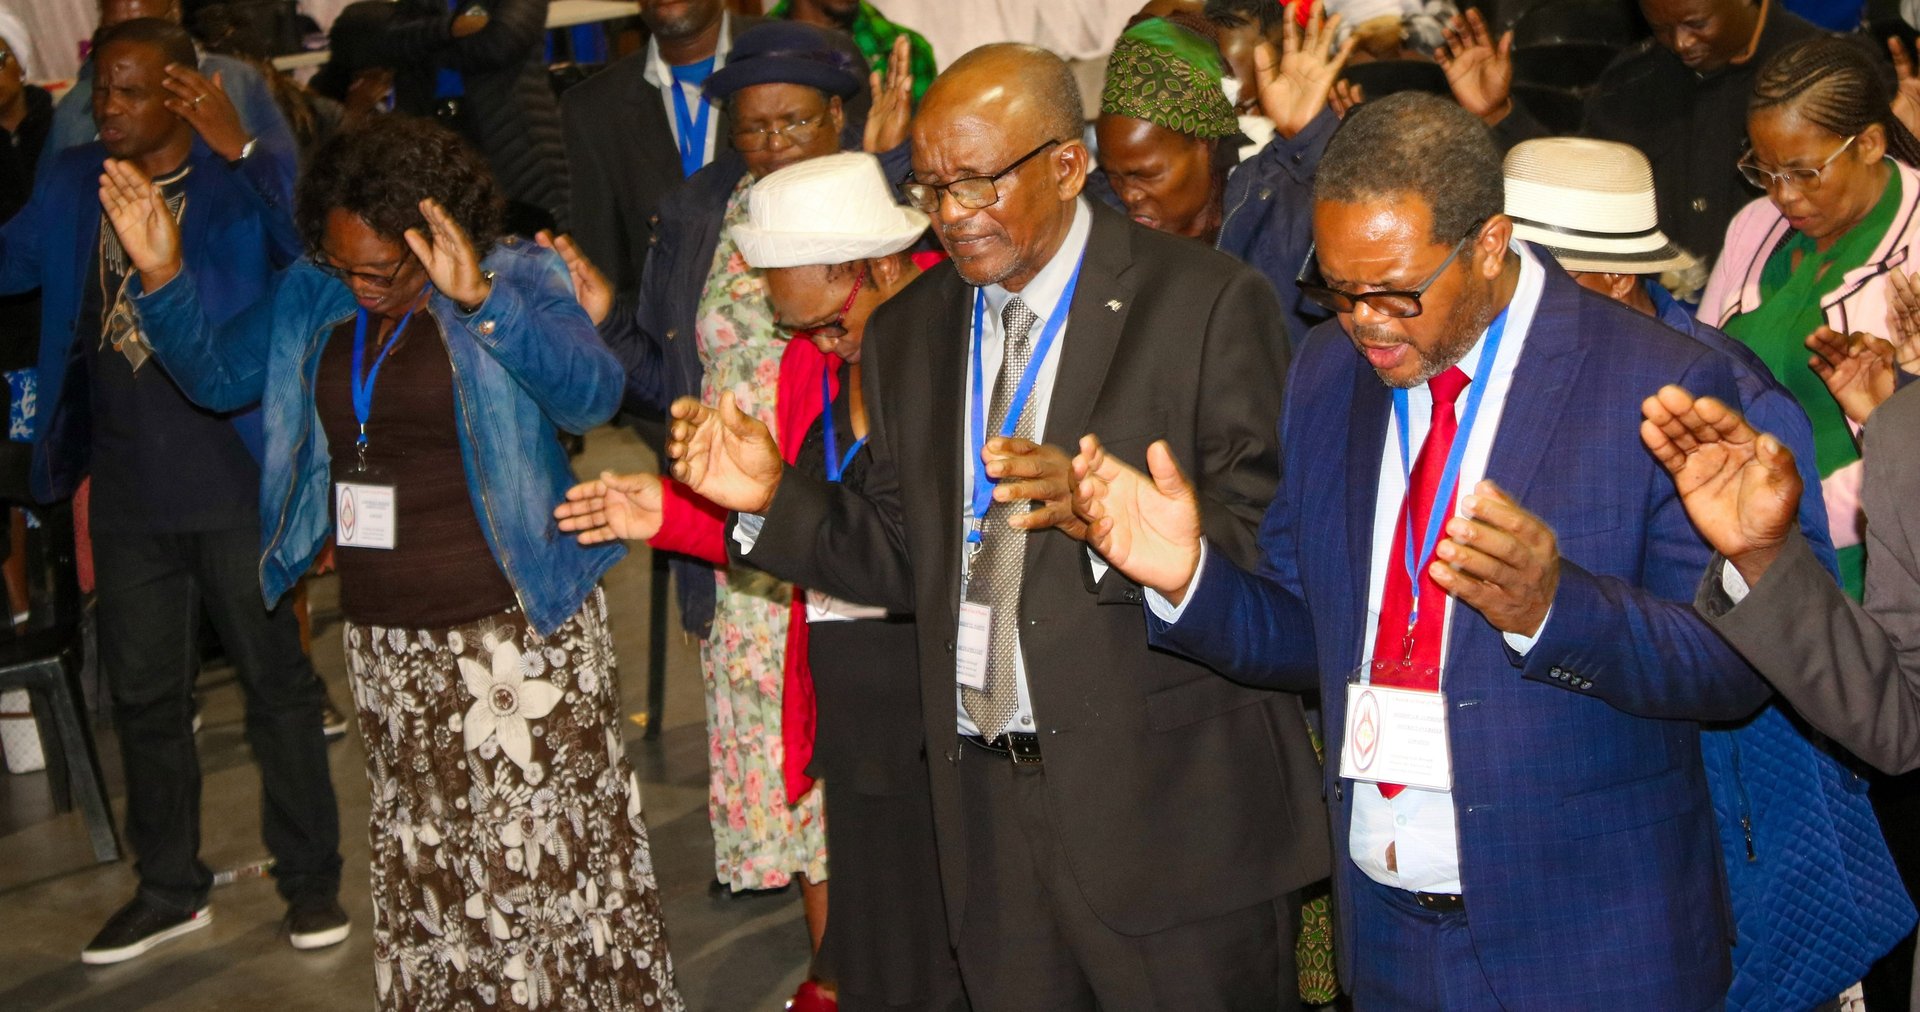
x=1496, y=557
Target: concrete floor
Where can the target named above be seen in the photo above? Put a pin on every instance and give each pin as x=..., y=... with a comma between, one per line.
x=743, y=953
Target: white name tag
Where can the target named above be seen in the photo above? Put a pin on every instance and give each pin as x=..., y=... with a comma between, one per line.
x=1397, y=736
x=827, y=608
x=364, y=515
x=970, y=646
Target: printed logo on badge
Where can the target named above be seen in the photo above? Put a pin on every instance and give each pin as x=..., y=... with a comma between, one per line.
x=349, y=514
x=1366, y=730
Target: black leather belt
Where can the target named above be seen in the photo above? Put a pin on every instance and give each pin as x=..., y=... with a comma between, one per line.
x=1022, y=746
x=1441, y=903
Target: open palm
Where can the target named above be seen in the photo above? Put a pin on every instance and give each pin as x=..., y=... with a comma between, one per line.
x=1858, y=370
x=1146, y=526
x=146, y=229
x=1479, y=71
x=1740, y=488
x=1295, y=82
x=724, y=454
x=613, y=507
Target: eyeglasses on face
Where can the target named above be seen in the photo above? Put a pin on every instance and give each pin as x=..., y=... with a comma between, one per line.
x=369, y=278
x=1403, y=305
x=834, y=327
x=1803, y=180
x=798, y=132
x=972, y=193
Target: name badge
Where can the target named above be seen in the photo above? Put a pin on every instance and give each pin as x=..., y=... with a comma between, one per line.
x=1396, y=736
x=827, y=608
x=970, y=646
x=364, y=515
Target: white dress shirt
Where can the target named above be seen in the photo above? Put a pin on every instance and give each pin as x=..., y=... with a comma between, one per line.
x=1419, y=824
x=660, y=75
x=1042, y=296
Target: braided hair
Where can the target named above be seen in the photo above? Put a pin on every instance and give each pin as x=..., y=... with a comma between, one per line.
x=1835, y=85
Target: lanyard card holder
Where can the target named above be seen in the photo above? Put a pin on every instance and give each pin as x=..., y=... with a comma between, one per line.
x=1394, y=734
x=365, y=508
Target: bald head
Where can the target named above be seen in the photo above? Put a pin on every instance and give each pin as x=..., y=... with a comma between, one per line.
x=1012, y=84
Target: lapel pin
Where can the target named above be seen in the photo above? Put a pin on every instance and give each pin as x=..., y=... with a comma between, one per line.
x=1113, y=305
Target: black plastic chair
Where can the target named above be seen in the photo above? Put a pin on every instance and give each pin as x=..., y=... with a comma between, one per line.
x=45, y=660
x=1380, y=78
x=1557, y=109
x=1568, y=43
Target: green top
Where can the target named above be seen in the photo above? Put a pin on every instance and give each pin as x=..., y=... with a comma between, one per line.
x=874, y=34
x=1792, y=284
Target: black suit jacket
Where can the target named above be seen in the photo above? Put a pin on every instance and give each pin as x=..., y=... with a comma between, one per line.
x=623, y=158
x=1177, y=794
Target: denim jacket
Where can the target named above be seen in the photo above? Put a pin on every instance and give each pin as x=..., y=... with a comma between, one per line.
x=526, y=361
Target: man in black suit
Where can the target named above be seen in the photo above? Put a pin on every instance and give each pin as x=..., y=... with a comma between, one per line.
x=626, y=144
x=1117, y=827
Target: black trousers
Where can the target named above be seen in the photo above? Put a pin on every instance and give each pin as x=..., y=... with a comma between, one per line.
x=151, y=592
x=1029, y=940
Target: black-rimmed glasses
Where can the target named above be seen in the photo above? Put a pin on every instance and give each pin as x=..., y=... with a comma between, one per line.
x=327, y=266
x=972, y=193
x=1400, y=304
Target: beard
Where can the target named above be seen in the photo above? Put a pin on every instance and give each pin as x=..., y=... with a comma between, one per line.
x=1470, y=318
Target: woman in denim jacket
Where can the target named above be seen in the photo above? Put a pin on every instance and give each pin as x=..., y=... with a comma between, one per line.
x=413, y=370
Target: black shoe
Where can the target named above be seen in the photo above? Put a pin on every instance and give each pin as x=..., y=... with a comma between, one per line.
x=140, y=926
x=316, y=924
x=333, y=723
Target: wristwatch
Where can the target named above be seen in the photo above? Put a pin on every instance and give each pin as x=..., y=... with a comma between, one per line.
x=245, y=150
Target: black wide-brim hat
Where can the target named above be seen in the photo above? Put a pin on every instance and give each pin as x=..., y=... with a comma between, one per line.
x=785, y=52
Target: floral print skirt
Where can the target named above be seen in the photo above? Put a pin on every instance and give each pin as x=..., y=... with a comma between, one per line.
x=759, y=841
x=510, y=865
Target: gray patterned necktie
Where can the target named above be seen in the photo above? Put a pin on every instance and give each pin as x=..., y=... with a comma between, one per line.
x=994, y=577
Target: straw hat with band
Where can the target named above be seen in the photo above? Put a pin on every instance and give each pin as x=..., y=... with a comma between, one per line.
x=834, y=209
x=1591, y=204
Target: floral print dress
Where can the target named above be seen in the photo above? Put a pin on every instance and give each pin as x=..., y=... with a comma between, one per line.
x=510, y=865
x=759, y=842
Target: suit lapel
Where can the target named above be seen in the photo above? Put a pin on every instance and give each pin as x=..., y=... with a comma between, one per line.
x=936, y=377
x=1096, y=319
x=1542, y=387
x=1369, y=413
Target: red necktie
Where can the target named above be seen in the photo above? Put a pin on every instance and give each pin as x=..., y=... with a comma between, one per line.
x=1404, y=657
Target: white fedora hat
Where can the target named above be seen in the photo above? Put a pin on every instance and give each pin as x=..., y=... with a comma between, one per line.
x=1591, y=204
x=834, y=209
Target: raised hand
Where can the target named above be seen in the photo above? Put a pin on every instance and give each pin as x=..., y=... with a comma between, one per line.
x=1903, y=318
x=1906, y=99
x=147, y=231
x=1147, y=527
x=448, y=257
x=1023, y=469
x=203, y=103
x=1479, y=72
x=1344, y=97
x=1858, y=370
x=1499, y=559
x=1294, y=82
x=613, y=507
x=724, y=454
x=892, y=110
x=370, y=89
x=1739, y=487
x=590, y=286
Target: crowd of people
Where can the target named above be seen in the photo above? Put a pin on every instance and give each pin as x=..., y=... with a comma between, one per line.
x=1244, y=544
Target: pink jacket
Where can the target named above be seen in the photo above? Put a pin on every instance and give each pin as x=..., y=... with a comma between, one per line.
x=1861, y=303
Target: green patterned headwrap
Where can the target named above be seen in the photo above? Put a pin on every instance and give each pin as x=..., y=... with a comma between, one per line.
x=1168, y=76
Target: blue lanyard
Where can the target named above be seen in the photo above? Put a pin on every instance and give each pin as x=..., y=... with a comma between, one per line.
x=836, y=462
x=692, y=131
x=1449, y=475
x=363, y=385
x=983, y=485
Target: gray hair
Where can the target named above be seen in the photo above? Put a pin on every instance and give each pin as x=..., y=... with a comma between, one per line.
x=1421, y=145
